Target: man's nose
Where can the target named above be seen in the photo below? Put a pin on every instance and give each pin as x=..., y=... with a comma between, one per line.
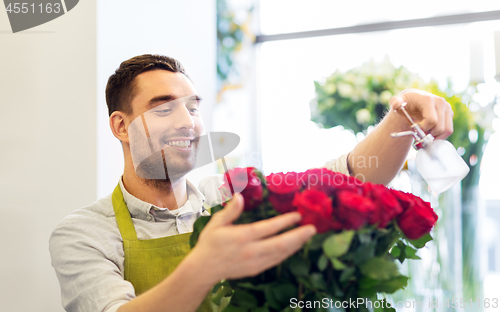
x=184, y=119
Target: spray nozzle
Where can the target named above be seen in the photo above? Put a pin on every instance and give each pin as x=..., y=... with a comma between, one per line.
x=421, y=139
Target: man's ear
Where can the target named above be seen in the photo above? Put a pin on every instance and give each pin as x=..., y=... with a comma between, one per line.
x=119, y=126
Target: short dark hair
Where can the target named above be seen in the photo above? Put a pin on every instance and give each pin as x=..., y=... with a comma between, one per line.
x=121, y=88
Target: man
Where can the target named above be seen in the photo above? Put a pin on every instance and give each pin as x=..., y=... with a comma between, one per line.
x=128, y=251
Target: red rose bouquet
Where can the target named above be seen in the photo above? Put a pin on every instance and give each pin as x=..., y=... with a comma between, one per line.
x=362, y=230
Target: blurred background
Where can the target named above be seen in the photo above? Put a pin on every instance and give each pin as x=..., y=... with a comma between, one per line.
x=300, y=82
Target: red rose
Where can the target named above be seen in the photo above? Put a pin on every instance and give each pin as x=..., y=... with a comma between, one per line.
x=282, y=188
x=327, y=181
x=387, y=206
x=353, y=210
x=244, y=181
x=418, y=219
x=405, y=199
x=315, y=208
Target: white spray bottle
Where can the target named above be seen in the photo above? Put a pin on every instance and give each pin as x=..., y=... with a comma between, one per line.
x=437, y=160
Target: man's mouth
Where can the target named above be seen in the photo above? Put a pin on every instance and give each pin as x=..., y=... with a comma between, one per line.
x=186, y=143
x=183, y=143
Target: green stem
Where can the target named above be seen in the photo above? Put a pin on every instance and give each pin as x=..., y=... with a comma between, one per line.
x=262, y=212
x=300, y=290
x=306, y=249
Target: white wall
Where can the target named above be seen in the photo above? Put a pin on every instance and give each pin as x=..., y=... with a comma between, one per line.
x=57, y=153
x=47, y=147
x=184, y=30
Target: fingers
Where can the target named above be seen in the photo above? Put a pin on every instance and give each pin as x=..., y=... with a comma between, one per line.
x=431, y=112
x=268, y=227
x=437, y=118
x=281, y=246
x=395, y=102
x=265, y=254
x=448, y=123
x=229, y=214
x=434, y=118
x=427, y=109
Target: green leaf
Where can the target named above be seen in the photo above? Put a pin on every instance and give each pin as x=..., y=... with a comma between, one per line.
x=420, y=243
x=337, y=264
x=365, y=238
x=224, y=291
x=317, y=241
x=305, y=281
x=197, y=227
x=410, y=253
x=283, y=293
x=392, y=285
x=386, y=241
x=347, y=274
x=216, y=209
x=299, y=266
x=379, y=269
x=216, y=287
x=364, y=252
x=367, y=293
x=232, y=308
x=334, y=288
x=251, y=286
x=244, y=299
x=395, y=252
x=337, y=245
x=366, y=283
x=402, y=251
x=322, y=262
x=271, y=300
x=318, y=281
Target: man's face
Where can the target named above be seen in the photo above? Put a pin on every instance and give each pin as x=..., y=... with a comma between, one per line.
x=165, y=125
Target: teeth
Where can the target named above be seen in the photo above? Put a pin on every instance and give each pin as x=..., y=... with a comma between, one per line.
x=180, y=143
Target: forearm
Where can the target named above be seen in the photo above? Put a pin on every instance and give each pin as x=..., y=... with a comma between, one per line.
x=379, y=157
x=183, y=290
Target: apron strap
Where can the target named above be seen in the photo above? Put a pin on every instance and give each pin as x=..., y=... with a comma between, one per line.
x=207, y=207
x=123, y=218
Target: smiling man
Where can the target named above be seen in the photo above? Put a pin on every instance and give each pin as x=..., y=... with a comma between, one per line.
x=164, y=108
x=153, y=147
x=129, y=251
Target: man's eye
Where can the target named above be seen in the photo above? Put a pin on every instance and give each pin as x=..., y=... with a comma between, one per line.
x=194, y=111
x=163, y=111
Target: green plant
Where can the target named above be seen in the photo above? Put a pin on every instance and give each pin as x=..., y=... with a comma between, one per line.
x=359, y=98
x=231, y=34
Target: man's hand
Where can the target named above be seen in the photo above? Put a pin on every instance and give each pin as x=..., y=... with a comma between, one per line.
x=432, y=112
x=231, y=251
x=224, y=251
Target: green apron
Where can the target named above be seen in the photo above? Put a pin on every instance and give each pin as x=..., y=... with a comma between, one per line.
x=149, y=261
